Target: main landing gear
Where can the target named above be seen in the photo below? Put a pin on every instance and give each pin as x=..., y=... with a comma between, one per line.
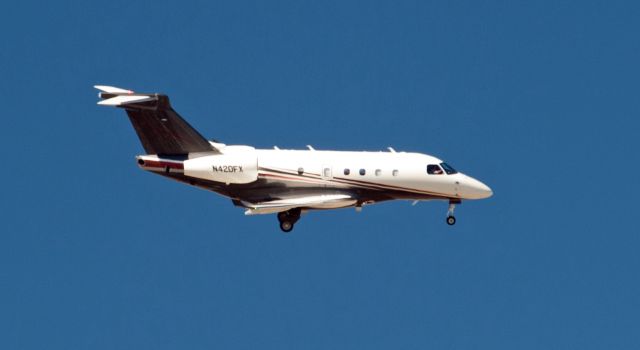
x=451, y=220
x=289, y=218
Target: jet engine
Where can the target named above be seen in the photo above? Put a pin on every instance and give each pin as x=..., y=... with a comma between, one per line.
x=237, y=165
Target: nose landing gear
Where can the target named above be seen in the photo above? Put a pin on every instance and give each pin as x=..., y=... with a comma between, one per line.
x=288, y=219
x=451, y=220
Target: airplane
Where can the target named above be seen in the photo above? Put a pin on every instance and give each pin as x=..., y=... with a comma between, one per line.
x=285, y=182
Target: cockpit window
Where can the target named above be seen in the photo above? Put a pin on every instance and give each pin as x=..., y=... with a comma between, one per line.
x=434, y=169
x=448, y=168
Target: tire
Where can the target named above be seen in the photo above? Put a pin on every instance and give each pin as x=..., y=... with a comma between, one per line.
x=286, y=226
x=451, y=220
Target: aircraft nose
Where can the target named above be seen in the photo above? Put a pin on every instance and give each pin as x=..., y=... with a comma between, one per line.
x=484, y=190
x=474, y=189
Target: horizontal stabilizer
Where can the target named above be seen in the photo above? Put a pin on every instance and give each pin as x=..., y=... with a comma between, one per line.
x=112, y=89
x=124, y=99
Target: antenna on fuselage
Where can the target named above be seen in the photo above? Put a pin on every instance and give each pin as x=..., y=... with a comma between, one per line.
x=310, y=148
x=391, y=149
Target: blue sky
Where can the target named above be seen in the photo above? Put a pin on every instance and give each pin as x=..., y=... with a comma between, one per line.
x=537, y=99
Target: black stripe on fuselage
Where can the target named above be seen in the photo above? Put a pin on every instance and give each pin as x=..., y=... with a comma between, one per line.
x=366, y=184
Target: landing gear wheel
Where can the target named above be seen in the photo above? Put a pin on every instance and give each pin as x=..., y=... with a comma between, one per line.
x=451, y=220
x=288, y=219
x=286, y=226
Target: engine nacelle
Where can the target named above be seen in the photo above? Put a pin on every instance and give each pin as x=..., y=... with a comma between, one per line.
x=238, y=165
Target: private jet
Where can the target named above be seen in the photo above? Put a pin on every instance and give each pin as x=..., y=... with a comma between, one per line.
x=287, y=183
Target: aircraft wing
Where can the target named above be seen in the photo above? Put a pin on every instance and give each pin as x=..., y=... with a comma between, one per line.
x=161, y=129
x=329, y=201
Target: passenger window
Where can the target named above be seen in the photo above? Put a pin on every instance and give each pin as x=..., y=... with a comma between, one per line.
x=394, y=172
x=434, y=169
x=378, y=172
x=347, y=171
x=362, y=172
x=300, y=171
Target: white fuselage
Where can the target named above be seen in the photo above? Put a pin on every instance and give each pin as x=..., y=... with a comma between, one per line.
x=394, y=171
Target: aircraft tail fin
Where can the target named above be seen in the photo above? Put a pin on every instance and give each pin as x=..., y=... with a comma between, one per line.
x=160, y=128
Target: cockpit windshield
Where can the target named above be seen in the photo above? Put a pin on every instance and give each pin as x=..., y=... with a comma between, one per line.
x=434, y=169
x=448, y=168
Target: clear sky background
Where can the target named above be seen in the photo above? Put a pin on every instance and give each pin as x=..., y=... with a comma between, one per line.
x=537, y=99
